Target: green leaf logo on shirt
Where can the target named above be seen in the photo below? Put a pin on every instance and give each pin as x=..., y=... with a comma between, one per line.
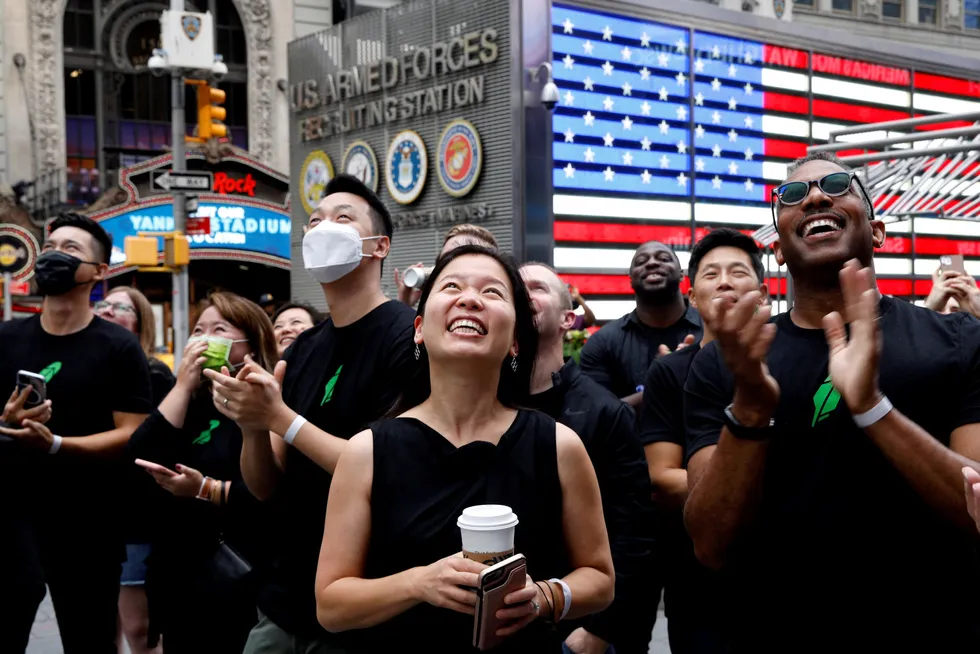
x=825, y=400
x=205, y=436
x=52, y=370
x=328, y=389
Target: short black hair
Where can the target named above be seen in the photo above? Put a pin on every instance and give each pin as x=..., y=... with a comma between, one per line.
x=726, y=237
x=315, y=315
x=643, y=245
x=102, y=238
x=380, y=216
x=830, y=157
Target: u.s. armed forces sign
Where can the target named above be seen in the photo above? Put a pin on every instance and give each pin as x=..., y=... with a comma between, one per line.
x=434, y=63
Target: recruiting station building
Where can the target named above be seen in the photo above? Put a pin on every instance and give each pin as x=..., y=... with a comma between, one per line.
x=245, y=248
x=672, y=119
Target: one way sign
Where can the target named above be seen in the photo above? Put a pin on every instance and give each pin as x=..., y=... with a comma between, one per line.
x=166, y=181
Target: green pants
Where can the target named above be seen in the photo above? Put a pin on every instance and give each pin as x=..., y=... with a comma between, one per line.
x=269, y=638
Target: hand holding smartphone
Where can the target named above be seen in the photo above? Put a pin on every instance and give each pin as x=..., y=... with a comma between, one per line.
x=155, y=467
x=952, y=262
x=496, y=583
x=38, y=386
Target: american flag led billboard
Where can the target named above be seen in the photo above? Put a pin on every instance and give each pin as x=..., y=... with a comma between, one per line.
x=656, y=121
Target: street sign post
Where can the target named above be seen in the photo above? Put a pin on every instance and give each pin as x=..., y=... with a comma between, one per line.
x=172, y=181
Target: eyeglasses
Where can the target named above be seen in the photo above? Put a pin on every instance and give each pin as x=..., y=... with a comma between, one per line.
x=116, y=306
x=833, y=185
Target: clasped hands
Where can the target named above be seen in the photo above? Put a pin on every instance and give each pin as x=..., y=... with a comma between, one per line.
x=252, y=398
x=744, y=336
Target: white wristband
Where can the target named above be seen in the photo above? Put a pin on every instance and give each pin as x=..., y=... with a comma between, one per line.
x=879, y=411
x=55, y=444
x=567, y=592
x=294, y=428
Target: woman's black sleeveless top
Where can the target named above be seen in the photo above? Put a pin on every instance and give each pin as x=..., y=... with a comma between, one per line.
x=421, y=485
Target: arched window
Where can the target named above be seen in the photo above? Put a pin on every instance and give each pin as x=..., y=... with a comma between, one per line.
x=117, y=112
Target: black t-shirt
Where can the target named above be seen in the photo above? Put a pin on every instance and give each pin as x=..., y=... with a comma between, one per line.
x=607, y=429
x=421, y=484
x=662, y=417
x=90, y=374
x=341, y=379
x=618, y=355
x=844, y=550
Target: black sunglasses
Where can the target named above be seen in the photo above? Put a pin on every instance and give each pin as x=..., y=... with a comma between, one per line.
x=833, y=185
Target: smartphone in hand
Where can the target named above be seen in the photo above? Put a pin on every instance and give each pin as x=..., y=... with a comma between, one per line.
x=38, y=386
x=952, y=262
x=155, y=467
x=496, y=582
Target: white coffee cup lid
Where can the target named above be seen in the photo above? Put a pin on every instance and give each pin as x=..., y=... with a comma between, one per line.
x=487, y=517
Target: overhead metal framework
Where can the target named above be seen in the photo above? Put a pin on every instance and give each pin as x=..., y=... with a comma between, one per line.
x=913, y=172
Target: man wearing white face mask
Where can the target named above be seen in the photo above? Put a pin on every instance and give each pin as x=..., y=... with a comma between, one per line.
x=335, y=379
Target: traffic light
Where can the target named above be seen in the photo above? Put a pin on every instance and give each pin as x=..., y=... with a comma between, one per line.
x=208, y=112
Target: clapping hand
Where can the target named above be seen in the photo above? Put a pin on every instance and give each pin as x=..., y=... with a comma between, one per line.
x=744, y=335
x=663, y=350
x=252, y=397
x=854, y=361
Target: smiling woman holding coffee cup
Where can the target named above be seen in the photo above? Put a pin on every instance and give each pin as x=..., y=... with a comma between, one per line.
x=391, y=569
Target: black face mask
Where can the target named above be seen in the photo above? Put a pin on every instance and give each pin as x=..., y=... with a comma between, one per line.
x=55, y=272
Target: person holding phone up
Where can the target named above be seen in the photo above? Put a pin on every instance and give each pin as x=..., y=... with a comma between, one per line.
x=390, y=569
x=952, y=291
x=196, y=602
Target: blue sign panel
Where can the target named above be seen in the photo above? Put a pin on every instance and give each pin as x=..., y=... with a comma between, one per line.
x=233, y=227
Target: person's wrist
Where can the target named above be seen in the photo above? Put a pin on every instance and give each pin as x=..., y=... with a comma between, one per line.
x=865, y=403
x=751, y=411
x=281, y=418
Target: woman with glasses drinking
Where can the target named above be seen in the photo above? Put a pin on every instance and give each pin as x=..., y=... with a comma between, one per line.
x=129, y=308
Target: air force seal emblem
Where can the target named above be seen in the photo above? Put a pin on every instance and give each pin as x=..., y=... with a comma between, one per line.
x=460, y=158
x=191, y=25
x=407, y=163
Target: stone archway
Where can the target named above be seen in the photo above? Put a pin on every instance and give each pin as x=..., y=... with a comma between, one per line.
x=47, y=81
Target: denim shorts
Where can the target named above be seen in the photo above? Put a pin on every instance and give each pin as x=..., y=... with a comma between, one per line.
x=134, y=569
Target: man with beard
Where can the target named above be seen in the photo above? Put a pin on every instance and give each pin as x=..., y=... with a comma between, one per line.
x=607, y=429
x=60, y=480
x=825, y=463
x=618, y=355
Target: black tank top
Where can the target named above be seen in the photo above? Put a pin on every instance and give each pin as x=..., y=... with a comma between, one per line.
x=422, y=483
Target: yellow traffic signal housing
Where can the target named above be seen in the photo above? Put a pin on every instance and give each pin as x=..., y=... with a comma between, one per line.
x=141, y=250
x=176, y=251
x=208, y=112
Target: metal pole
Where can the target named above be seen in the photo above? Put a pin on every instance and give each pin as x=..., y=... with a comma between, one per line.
x=8, y=297
x=181, y=290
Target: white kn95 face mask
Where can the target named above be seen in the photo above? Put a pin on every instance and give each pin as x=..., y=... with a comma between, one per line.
x=332, y=250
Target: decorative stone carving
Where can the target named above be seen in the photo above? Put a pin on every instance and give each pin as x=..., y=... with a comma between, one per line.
x=46, y=81
x=954, y=13
x=871, y=8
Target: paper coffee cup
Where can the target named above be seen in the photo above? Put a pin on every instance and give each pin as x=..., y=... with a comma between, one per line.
x=415, y=277
x=488, y=532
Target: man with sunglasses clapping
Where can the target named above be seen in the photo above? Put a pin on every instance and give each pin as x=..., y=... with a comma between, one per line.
x=825, y=446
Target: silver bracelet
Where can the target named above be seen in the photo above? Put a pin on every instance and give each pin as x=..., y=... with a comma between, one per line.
x=567, y=592
x=879, y=411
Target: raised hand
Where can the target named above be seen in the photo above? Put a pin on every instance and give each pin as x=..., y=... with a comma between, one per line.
x=189, y=370
x=942, y=288
x=964, y=289
x=854, y=362
x=744, y=335
x=971, y=487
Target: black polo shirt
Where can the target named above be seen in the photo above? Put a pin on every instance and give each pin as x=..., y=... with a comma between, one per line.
x=844, y=553
x=607, y=429
x=618, y=355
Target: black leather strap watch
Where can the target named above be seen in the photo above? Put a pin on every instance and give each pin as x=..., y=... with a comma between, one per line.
x=739, y=430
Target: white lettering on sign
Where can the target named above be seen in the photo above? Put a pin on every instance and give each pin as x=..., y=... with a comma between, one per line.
x=226, y=221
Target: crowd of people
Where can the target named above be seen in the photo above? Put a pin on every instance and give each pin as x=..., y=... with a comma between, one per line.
x=791, y=483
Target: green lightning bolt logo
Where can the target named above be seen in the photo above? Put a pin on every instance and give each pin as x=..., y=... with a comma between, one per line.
x=328, y=389
x=825, y=400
